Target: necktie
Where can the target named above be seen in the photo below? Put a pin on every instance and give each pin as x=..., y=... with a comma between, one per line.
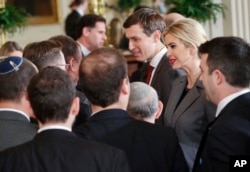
x=149, y=73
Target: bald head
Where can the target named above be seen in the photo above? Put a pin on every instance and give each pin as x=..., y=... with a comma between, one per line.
x=172, y=17
x=143, y=101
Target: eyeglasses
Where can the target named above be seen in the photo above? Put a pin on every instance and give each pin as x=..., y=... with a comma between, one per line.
x=65, y=65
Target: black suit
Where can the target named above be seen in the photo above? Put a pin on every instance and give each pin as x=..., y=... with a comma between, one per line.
x=149, y=148
x=71, y=23
x=84, y=111
x=228, y=135
x=162, y=80
x=58, y=150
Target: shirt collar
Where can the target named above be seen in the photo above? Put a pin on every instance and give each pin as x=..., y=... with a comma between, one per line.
x=228, y=99
x=157, y=58
x=80, y=11
x=15, y=110
x=84, y=50
x=50, y=127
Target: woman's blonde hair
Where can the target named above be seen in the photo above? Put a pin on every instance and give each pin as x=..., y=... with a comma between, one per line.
x=188, y=30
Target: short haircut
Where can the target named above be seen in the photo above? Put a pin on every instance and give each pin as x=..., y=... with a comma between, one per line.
x=70, y=47
x=43, y=54
x=143, y=100
x=230, y=55
x=89, y=21
x=101, y=75
x=9, y=47
x=14, y=84
x=189, y=31
x=51, y=93
x=148, y=19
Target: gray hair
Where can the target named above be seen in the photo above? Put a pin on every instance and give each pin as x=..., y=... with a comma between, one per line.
x=143, y=100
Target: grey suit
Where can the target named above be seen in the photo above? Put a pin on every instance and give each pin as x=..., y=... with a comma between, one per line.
x=15, y=129
x=188, y=115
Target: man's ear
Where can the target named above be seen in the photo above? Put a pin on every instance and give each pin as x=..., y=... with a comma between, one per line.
x=159, y=111
x=85, y=31
x=75, y=106
x=28, y=109
x=125, y=88
x=218, y=77
x=157, y=35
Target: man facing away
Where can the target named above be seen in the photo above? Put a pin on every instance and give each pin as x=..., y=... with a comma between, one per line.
x=55, y=148
x=148, y=147
x=144, y=103
x=225, y=66
x=143, y=28
x=15, y=109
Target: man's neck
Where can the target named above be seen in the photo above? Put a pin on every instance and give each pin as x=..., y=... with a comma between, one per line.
x=96, y=108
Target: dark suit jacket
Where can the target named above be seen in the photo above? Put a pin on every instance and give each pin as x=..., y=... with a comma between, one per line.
x=58, y=150
x=228, y=135
x=15, y=129
x=149, y=148
x=162, y=81
x=189, y=116
x=71, y=23
x=84, y=111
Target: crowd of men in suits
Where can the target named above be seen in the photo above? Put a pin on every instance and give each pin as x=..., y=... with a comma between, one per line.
x=69, y=105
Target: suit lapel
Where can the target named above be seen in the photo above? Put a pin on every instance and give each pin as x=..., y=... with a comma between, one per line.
x=176, y=93
x=187, y=101
x=159, y=67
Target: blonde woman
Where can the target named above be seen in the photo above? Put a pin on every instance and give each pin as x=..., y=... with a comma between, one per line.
x=187, y=111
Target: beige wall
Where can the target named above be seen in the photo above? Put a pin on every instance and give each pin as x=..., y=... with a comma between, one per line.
x=236, y=22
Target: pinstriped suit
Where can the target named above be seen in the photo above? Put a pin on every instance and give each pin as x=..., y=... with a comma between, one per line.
x=189, y=116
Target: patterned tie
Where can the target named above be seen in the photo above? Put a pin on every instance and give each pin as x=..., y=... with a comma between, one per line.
x=149, y=73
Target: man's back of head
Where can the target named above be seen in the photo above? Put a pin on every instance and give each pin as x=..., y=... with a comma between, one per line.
x=104, y=70
x=52, y=93
x=15, y=75
x=172, y=17
x=45, y=53
x=143, y=102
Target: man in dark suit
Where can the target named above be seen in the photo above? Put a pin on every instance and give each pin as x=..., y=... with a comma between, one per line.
x=91, y=33
x=148, y=147
x=73, y=57
x=15, y=110
x=55, y=148
x=78, y=8
x=143, y=28
x=225, y=66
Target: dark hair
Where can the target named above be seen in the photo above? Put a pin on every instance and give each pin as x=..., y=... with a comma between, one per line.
x=43, y=54
x=88, y=20
x=101, y=75
x=9, y=47
x=230, y=55
x=70, y=47
x=14, y=84
x=149, y=20
x=51, y=93
x=76, y=3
